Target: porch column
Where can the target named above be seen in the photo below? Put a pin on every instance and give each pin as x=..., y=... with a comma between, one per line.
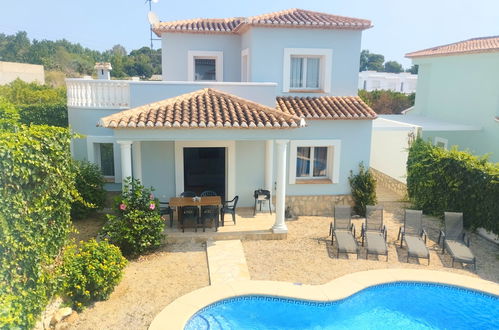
x=269, y=165
x=137, y=160
x=126, y=159
x=280, y=225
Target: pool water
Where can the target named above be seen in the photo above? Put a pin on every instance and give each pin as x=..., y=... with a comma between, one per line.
x=403, y=305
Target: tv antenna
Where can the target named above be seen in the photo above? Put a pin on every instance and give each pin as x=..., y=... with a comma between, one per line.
x=153, y=19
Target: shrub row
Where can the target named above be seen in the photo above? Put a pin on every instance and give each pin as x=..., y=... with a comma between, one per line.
x=54, y=114
x=36, y=189
x=439, y=180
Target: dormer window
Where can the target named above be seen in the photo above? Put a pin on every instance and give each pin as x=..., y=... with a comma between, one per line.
x=307, y=70
x=204, y=66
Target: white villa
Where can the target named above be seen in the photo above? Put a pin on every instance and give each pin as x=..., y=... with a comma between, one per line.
x=267, y=101
x=403, y=82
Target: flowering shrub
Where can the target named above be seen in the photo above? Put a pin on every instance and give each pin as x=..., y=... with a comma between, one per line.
x=136, y=226
x=91, y=271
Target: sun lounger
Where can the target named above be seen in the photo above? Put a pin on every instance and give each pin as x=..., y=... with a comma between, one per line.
x=374, y=232
x=343, y=231
x=412, y=233
x=455, y=240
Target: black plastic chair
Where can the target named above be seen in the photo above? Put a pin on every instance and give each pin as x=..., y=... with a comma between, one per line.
x=189, y=213
x=209, y=213
x=262, y=196
x=229, y=207
x=164, y=209
x=208, y=193
x=188, y=194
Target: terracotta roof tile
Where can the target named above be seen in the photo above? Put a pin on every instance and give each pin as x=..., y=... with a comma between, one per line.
x=475, y=45
x=326, y=107
x=205, y=108
x=293, y=18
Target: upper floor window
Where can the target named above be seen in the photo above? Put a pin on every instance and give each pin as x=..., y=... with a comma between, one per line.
x=205, y=69
x=204, y=66
x=307, y=70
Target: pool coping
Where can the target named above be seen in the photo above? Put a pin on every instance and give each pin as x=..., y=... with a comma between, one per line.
x=177, y=314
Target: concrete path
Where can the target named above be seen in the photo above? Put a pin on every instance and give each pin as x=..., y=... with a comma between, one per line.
x=226, y=261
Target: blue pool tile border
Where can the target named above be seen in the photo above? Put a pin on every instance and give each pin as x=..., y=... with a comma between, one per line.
x=334, y=302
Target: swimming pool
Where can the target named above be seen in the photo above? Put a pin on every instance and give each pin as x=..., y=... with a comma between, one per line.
x=402, y=305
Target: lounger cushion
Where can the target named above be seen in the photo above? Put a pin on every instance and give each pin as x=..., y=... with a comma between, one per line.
x=346, y=241
x=375, y=243
x=459, y=251
x=416, y=247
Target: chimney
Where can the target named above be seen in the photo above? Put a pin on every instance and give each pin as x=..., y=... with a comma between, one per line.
x=103, y=70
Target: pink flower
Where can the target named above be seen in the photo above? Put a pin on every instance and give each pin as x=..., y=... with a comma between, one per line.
x=151, y=196
x=122, y=206
x=152, y=206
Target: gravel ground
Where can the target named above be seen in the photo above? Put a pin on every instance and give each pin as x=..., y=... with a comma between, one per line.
x=149, y=284
x=306, y=255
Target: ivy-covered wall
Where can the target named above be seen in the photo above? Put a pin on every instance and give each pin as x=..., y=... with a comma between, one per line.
x=36, y=189
x=441, y=180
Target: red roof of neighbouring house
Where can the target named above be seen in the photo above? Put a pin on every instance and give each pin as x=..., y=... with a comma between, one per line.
x=205, y=108
x=326, y=107
x=470, y=46
x=291, y=18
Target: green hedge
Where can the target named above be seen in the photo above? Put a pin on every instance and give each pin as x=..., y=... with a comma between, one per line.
x=439, y=180
x=36, y=189
x=53, y=114
x=90, y=185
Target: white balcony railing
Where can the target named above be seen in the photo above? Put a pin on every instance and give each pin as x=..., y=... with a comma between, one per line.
x=104, y=94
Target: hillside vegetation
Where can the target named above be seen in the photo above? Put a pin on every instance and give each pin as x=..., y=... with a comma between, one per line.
x=74, y=60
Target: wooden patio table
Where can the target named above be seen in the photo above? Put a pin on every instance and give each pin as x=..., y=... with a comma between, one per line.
x=188, y=201
x=179, y=202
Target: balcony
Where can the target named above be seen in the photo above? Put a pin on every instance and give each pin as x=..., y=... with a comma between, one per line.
x=125, y=94
x=89, y=93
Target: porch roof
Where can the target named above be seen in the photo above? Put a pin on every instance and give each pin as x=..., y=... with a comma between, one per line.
x=326, y=107
x=205, y=108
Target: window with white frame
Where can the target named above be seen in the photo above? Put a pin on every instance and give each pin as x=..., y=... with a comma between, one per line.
x=314, y=161
x=205, y=66
x=205, y=69
x=104, y=158
x=307, y=70
x=311, y=162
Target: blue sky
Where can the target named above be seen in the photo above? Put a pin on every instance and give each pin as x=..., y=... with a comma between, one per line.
x=399, y=26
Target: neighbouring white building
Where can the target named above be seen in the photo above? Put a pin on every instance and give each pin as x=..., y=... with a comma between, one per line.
x=403, y=82
x=10, y=71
